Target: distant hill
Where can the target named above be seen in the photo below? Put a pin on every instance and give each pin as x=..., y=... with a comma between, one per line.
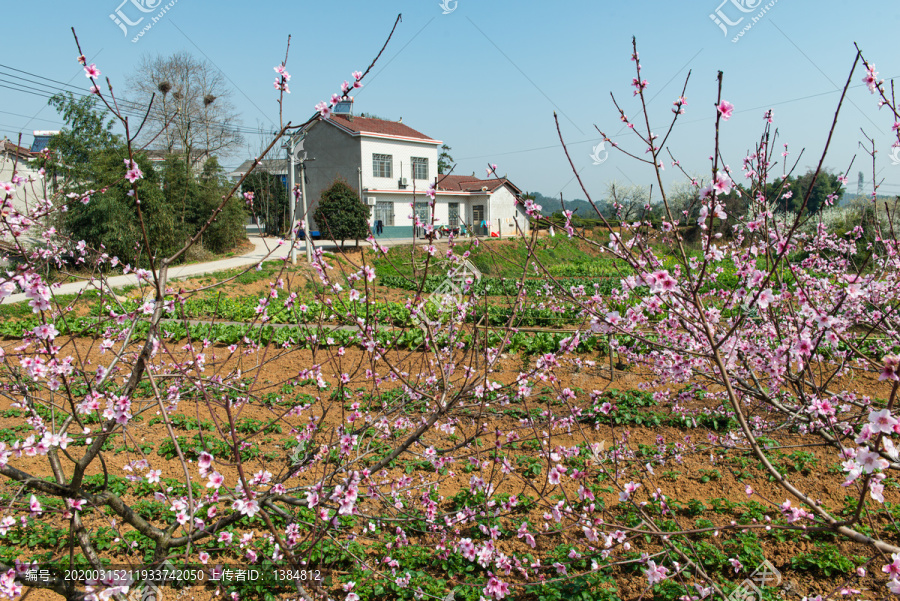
x=579, y=206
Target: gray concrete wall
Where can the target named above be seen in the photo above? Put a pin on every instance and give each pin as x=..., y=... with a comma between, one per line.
x=336, y=154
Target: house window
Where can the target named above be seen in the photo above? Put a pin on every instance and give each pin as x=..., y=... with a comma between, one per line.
x=479, y=225
x=423, y=217
x=381, y=165
x=420, y=168
x=384, y=212
x=453, y=214
x=423, y=212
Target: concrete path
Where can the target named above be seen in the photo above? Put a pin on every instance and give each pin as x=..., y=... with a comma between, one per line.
x=264, y=249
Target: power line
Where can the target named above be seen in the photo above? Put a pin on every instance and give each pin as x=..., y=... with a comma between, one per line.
x=59, y=83
x=680, y=122
x=128, y=107
x=30, y=117
x=250, y=100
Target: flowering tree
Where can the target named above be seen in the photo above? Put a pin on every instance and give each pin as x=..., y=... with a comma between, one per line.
x=771, y=321
x=415, y=455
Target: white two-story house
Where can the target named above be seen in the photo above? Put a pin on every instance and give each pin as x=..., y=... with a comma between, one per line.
x=391, y=166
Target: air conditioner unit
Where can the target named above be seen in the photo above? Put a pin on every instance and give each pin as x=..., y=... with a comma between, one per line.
x=370, y=201
x=402, y=181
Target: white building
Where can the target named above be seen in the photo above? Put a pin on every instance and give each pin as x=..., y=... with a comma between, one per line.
x=16, y=158
x=391, y=166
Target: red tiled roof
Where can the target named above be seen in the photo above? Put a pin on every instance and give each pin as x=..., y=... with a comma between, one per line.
x=13, y=148
x=368, y=125
x=467, y=183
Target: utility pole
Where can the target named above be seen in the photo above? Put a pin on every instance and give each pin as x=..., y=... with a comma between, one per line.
x=308, y=245
x=292, y=200
x=293, y=160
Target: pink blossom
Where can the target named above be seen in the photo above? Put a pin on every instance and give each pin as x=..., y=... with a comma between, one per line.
x=630, y=488
x=46, y=331
x=893, y=569
x=9, y=588
x=882, y=422
x=870, y=461
x=91, y=71
x=134, y=172
x=324, y=110
x=876, y=490
x=467, y=548
x=347, y=588
x=765, y=299
x=248, y=508
x=204, y=461
x=655, y=573
x=871, y=79
x=638, y=85
x=283, y=72
x=890, y=368
x=554, y=475
x=522, y=532
x=725, y=109
x=496, y=588
x=722, y=183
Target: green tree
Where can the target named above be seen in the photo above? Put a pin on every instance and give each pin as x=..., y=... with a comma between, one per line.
x=445, y=161
x=109, y=219
x=271, y=203
x=340, y=215
x=795, y=189
x=174, y=204
x=195, y=198
x=87, y=132
x=827, y=183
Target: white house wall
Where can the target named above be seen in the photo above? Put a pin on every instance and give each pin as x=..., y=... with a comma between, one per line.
x=27, y=192
x=339, y=154
x=504, y=213
x=401, y=152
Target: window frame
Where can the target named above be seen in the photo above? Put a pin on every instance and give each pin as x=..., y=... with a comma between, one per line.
x=418, y=162
x=380, y=207
x=381, y=164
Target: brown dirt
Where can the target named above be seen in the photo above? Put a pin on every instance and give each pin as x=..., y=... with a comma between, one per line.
x=687, y=485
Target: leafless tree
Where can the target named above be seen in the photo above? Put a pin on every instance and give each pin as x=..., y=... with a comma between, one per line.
x=628, y=201
x=193, y=112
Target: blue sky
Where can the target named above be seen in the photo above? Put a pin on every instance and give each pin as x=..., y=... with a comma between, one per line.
x=486, y=77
